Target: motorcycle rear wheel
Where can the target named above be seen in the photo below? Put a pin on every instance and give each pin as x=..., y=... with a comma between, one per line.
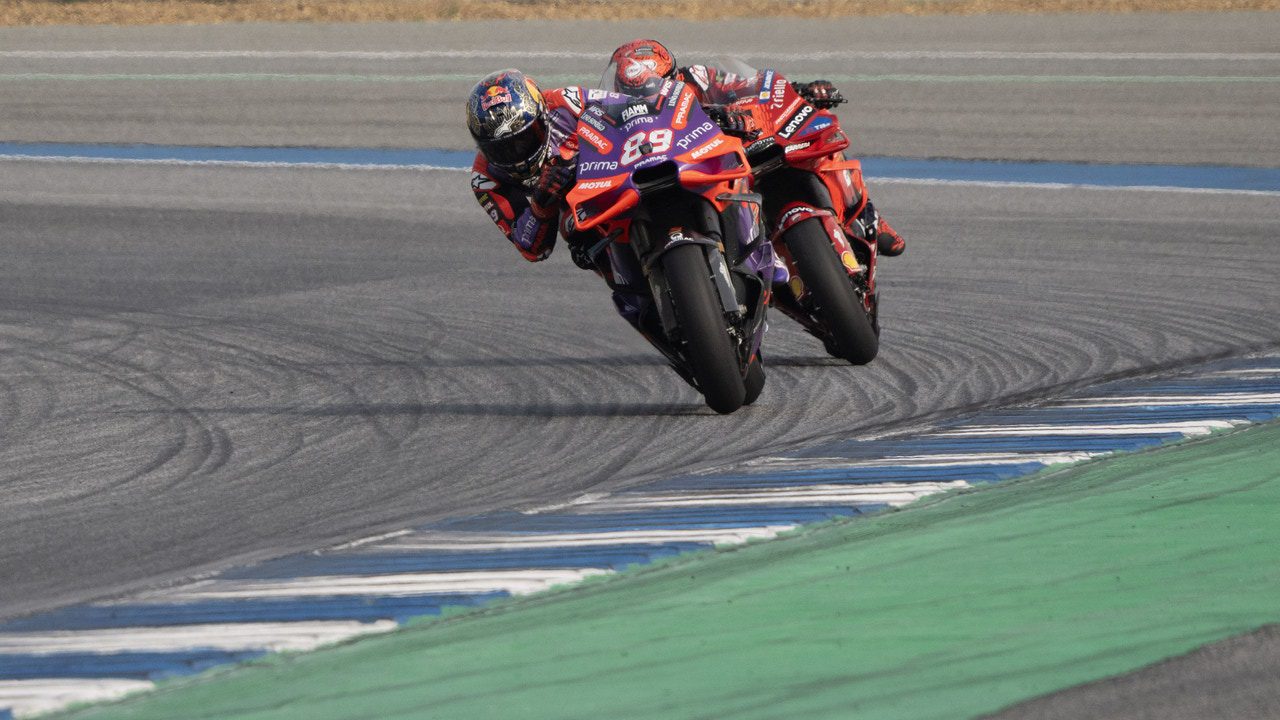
x=707, y=345
x=851, y=335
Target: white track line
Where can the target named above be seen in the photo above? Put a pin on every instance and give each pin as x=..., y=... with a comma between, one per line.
x=516, y=582
x=231, y=637
x=1243, y=372
x=883, y=493
x=177, y=162
x=514, y=541
x=1200, y=427
x=33, y=697
x=783, y=464
x=1175, y=400
x=999, y=185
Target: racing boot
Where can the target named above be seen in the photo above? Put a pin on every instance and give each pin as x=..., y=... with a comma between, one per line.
x=869, y=223
x=888, y=241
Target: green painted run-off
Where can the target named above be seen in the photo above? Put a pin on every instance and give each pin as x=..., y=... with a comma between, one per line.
x=957, y=608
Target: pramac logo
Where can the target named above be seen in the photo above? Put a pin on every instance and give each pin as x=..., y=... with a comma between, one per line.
x=597, y=140
x=681, y=118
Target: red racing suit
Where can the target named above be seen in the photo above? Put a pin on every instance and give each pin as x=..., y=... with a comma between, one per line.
x=506, y=199
x=713, y=86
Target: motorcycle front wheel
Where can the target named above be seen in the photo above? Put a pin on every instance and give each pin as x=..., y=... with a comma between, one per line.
x=850, y=333
x=707, y=345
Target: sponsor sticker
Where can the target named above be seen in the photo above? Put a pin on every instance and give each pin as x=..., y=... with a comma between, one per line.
x=597, y=166
x=634, y=110
x=689, y=139
x=596, y=140
x=779, y=93
x=820, y=123
x=651, y=160
x=795, y=122
x=572, y=99
x=790, y=216
x=681, y=118
x=593, y=121
x=797, y=146
x=597, y=94
x=596, y=184
x=495, y=95
x=673, y=89
x=767, y=84
x=706, y=148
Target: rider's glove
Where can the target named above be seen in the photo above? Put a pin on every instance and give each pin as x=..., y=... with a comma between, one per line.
x=820, y=93
x=552, y=184
x=734, y=121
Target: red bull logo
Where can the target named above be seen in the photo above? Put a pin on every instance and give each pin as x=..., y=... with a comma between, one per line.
x=495, y=95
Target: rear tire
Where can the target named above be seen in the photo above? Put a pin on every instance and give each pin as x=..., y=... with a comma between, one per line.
x=850, y=332
x=707, y=345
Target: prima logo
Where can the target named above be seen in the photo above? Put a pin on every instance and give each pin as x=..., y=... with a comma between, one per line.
x=694, y=134
x=642, y=120
x=597, y=166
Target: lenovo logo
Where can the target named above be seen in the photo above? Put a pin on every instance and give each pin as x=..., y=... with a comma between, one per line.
x=796, y=121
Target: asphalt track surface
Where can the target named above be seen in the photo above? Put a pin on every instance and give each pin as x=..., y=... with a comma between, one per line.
x=204, y=366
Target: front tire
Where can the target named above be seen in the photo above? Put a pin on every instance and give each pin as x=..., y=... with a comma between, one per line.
x=850, y=332
x=707, y=345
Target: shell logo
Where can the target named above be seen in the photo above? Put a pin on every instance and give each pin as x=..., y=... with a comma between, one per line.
x=797, y=285
x=849, y=261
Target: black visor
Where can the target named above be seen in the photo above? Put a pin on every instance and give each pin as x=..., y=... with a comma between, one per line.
x=518, y=148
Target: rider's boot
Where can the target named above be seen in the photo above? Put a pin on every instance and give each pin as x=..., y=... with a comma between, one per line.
x=869, y=223
x=888, y=241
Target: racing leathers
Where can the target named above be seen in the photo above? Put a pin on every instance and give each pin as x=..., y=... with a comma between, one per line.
x=715, y=87
x=529, y=212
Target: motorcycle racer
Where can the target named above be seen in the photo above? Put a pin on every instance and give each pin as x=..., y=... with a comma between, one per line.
x=641, y=63
x=526, y=161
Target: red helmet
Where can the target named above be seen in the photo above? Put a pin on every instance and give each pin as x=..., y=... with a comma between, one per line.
x=641, y=66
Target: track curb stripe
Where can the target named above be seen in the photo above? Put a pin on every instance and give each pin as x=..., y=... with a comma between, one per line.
x=106, y=649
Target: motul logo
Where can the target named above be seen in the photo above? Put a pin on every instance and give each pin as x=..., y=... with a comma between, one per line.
x=595, y=185
x=682, y=111
x=707, y=148
x=596, y=139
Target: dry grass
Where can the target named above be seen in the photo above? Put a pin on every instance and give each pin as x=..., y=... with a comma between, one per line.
x=153, y=12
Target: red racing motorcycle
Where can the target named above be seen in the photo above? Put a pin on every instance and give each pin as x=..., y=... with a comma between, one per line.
x=811, y=193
